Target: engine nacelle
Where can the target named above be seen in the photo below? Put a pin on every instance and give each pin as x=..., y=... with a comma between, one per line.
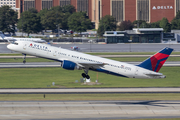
x=68, y=65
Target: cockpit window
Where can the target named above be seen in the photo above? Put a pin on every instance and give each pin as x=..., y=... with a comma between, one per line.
x=15, y=43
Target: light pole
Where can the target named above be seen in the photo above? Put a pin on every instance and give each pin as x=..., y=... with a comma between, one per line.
x=22, y=15
x=90, y=41
x=57, y=25
x=169, y=42
x=129, y=45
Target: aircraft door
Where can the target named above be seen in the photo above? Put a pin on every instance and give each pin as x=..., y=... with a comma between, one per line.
x=25, y=46
x=55, y=53
x=136, y=71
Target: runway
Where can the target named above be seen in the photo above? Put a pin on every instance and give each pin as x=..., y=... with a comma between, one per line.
x=57, y=64
x=86, y=110
x=89, y=90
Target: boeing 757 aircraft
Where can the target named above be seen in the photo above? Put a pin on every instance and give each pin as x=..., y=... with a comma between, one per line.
x=72, y=60
x=12, y=39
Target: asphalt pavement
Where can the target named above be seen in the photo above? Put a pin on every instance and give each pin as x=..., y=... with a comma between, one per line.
x=88, y=110
x=134, y=47
x=89, y=90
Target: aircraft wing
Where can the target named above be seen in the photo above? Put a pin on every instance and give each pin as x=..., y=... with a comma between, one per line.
x=91, y=65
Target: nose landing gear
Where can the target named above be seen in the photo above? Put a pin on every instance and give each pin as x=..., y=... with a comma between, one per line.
x=24, y=61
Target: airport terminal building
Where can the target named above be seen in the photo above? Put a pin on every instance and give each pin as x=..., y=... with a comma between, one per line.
x=141, y=35
x=148, y=10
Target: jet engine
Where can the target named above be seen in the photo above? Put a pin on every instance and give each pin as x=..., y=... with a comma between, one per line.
x=70, y=65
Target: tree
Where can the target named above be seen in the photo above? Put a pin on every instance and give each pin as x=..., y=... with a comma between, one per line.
x=64, y=23
x=155, y=24
x=125, y=25
x=165, y=25
x=107, y=23
x=145, y=25
x=177, y=15
x=79, y=22
x=51, y=19
x=68, y=9
x=8, y=19
x=175, y=23
x=41, y=14
x=137, y=23
x=29, y=22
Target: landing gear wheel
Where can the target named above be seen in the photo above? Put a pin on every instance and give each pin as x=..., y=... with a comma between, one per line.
x=87, y=76
x=24, y=61
x=83, y=75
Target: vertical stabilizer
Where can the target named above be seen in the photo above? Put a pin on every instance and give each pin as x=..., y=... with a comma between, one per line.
x=156, y=61
x=2, y=36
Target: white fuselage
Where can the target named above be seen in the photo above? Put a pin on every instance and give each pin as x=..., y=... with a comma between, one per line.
x=60, y=54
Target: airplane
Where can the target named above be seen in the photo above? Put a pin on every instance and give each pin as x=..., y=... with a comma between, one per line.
x=71, y=60
x=12, y=39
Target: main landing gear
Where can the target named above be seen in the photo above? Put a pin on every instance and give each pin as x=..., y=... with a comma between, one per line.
x=85, y=75
x=24, y=61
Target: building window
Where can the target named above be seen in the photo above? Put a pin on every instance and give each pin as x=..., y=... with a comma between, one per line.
x=82, y=5
x=143, y=10
x=29, y=4
x=47, y=4
x=177, y=5
x=117, y=10
x=64, y=2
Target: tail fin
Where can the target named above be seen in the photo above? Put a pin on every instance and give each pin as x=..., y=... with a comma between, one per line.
x=156, y=61
x=2, y=35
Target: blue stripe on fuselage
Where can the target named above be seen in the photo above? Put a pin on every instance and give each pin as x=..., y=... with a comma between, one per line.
x=108, y=72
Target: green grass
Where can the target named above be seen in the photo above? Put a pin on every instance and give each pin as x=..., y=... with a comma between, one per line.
x=43, y=78
x=62, y=97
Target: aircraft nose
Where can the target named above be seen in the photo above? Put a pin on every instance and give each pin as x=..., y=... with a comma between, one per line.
x=9, y=46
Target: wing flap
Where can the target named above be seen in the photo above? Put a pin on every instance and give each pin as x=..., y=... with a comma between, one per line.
x=91, y=65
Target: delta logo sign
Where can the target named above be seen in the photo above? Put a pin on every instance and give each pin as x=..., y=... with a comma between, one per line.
x=40, y=47
x=162, y=7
